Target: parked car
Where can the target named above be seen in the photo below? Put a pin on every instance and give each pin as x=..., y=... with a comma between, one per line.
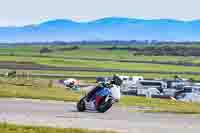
x=158, y=84
x=177, y=84
x=189, y=93
x=129, y=86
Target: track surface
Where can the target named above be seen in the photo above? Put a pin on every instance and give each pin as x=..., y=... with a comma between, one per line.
x=32, y=66
x=60, y=114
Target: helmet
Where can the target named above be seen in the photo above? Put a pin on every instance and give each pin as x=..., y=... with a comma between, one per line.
x=117, y=80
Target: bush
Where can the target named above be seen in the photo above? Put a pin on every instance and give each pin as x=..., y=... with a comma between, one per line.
x=45, y=50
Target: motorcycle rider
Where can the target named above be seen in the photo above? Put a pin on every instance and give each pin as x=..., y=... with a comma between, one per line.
x=105, y=88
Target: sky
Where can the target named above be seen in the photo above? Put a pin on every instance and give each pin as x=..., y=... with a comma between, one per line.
x=23, y=12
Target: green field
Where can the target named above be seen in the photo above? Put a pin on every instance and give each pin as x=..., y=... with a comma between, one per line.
x=61, y=62
x=92, y=75
x=38, y=88
x=32, y=54
x=57, y=58
x=92, y=52
x=10, y=128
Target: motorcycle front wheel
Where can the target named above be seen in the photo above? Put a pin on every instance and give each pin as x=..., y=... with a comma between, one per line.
x=104, y=106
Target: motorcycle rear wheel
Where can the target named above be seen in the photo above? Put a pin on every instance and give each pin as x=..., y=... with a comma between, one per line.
x=81, y=105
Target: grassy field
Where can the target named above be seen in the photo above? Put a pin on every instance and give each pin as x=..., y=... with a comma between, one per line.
x=98, y=74
x=9, y=128
x=56, y=58
x=44, y=89
x=94, y=52
x=40, y=89
x=61, y=62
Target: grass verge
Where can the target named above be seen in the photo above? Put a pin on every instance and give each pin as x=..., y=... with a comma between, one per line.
x=9, y=128
x=161, y=105
x=36, y=89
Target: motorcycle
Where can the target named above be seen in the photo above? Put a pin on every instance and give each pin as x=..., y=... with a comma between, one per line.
x=113, y=96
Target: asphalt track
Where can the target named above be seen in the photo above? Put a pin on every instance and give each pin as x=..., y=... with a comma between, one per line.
x=32, y=66
x=61, y=114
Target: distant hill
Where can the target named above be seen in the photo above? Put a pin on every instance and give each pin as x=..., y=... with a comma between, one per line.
x=112, y=28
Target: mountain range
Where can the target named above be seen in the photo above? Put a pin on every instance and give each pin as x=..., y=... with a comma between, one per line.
x=111, y=28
